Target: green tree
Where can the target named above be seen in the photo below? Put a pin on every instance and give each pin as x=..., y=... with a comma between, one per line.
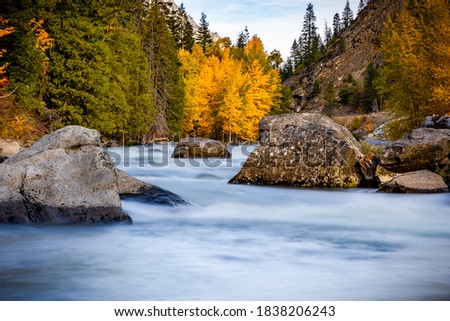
x=243, y=38
x=336, y=25
x=347, y=16
x=166, y=83
x=330, y=96
x=309, y=37
x=204, y=38
x=372, y=100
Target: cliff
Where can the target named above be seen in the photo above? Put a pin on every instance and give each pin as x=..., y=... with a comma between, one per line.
x=356, y=49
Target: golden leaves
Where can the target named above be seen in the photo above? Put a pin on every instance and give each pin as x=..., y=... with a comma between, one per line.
x=226, y=97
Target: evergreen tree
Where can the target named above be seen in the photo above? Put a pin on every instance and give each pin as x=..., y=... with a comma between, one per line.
x=187, y=40
x=296, y=53
x=347, y=16
x=328, y=34
x=330, y=96
x=336, y=25
x=243, y=38
x=362, y=5
x=371, y=97
x=287, y=70
x=309, y=37
x=166, y=83
x=204, y=38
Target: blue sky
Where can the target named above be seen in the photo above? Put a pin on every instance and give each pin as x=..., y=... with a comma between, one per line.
x=276, y=22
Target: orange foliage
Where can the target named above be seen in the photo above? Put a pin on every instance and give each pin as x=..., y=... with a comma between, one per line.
x=4, y=82
x=43, y=41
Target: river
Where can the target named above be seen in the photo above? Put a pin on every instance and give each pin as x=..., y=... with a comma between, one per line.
x=237, y=242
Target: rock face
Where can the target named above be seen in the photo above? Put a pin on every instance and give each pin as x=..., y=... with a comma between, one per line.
x=65, y=178
x=424, y=148
x=307, y=150
x=351, y=55
x=200, y=148
x=416, y=182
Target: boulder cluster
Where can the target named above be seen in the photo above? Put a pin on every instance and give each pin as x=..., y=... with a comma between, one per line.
x=310, y=150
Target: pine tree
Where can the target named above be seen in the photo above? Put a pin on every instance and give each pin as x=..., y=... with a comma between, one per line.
x=371, y=96
x=187, y=40
x=166, y=83
x=243, y=38
x=204, y=38
x=328, y=34
x=362, y=5
x=287, y=70
x=309, y=37
x=347, y=16
x=336, y=25
x=296, y=53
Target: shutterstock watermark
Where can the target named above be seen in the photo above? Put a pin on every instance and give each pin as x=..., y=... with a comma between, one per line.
x=310, y=148
x=160, y=155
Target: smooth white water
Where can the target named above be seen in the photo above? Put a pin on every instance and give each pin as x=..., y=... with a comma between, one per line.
x=237, y=243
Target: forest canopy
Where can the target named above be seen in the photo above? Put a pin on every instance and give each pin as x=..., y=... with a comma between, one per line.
x=128, y=68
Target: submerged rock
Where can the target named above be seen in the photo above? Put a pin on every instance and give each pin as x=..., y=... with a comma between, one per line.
x=201, y=148
x=65, y=178
x=424, y=148
x=415, y=182
x=132, y=188
x=307, y=150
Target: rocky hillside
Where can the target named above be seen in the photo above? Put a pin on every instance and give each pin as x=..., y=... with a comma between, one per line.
x=349, y=55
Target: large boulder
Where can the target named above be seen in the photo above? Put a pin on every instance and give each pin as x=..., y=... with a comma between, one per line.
x=416, y=182
x=65, y=178
x=424, y=148
x=307, y=150
x=200, y=148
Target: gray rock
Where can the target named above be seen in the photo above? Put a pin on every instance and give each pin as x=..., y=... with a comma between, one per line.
x=201, y=148
x=71, y=137
x=307, y=150
x=65, y=178
x=437, y=122
x=424, y=182
x=424, y=148
x=12, y=207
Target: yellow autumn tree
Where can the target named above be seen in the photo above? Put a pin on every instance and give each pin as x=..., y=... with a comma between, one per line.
x=191, y=65
x=416, y=74
x=226, y=97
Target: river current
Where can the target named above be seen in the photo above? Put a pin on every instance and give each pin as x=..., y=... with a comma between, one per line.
x=236, y=242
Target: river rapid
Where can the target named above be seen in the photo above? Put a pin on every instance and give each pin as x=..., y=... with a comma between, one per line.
x=236, y=242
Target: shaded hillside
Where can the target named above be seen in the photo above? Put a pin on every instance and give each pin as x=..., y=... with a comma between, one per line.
x=351, y=54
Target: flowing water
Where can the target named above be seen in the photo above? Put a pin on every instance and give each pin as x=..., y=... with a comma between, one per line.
x=236, y=243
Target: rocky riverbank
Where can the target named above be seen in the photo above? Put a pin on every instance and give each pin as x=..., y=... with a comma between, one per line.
x=310, y=150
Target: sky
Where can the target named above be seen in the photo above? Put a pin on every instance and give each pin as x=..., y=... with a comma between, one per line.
x=276, y=22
